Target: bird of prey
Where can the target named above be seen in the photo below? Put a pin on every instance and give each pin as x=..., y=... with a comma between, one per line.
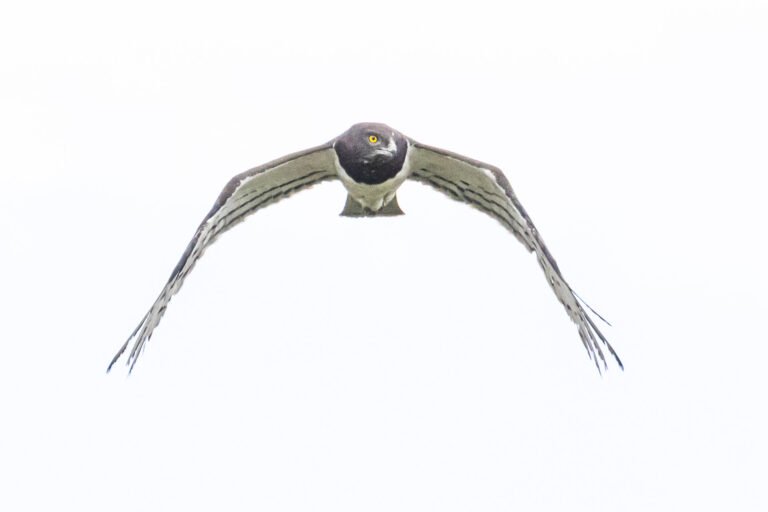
x=372, y=160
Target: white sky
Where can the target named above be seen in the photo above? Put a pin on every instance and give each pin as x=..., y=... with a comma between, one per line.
x=313, y=362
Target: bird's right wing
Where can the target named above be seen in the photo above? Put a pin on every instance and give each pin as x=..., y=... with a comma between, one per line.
x=243, y=195
x=486, y=188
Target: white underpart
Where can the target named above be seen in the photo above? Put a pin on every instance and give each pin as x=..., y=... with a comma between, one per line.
x=375, y=197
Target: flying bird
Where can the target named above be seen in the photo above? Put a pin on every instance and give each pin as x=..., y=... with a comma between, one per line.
x=372, y=160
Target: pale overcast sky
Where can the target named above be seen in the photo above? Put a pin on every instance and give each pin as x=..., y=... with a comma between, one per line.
x=314, y=362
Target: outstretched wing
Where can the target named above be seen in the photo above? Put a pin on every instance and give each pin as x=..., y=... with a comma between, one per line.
x=243, y=195
x=486, y=188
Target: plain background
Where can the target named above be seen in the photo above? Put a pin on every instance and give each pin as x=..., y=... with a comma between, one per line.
x=313, y=362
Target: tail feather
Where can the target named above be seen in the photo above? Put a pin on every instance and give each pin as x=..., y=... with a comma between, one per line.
x=354, y=209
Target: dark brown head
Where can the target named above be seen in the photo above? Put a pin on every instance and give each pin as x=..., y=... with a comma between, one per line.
x=371, y=153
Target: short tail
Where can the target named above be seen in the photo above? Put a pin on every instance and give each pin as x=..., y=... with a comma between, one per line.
x=354, y=209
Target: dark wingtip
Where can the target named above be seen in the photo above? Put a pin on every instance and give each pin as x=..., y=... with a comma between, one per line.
x=605, y=342
x=117, y=356
x=599, y=369
x=125, y=345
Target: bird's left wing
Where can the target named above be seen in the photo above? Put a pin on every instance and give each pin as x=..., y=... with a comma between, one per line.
x=486, y=188
x=243, y=195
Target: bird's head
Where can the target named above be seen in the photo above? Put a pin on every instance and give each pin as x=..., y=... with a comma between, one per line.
x=371, y=153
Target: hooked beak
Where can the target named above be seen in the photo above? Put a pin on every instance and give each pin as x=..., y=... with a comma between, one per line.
x=385, y=154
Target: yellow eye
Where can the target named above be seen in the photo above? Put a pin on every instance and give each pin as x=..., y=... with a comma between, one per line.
x=373, y=139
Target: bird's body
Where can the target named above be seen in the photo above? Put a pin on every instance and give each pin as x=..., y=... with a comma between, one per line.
x=372, y=161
